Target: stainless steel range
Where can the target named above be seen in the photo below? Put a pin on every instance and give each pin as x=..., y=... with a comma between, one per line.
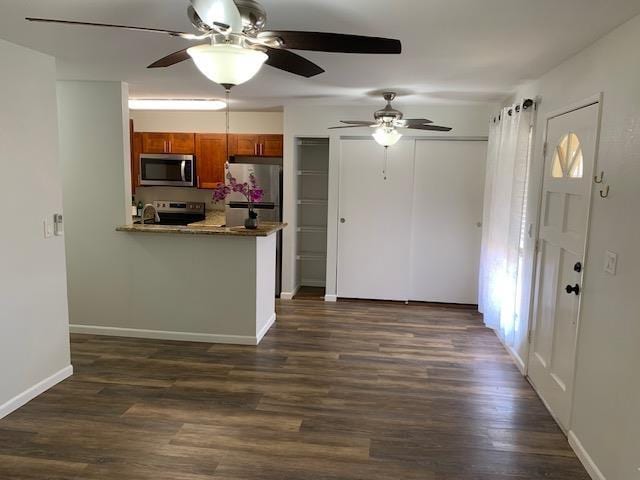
x=179, y=213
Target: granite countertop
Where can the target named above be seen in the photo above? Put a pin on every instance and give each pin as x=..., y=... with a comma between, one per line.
x=214, y=218
x=264, y=230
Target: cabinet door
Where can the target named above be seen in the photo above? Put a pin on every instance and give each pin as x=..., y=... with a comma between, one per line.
x=247, y=144
x=182, y=143
x=136, y=151
x=271, y=145
x=211, y=156
x=155, y=142
x=375, y=220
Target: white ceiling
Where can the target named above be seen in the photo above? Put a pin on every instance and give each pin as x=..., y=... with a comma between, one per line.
x=454, y=50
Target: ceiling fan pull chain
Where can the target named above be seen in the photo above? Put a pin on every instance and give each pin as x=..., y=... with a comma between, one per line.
x=386, y=162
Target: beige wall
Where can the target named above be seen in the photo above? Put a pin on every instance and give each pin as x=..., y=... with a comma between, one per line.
x=606, y=411
x=207, y=122
x=34, y=332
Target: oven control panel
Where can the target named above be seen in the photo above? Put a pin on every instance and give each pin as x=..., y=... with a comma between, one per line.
x=166, y=206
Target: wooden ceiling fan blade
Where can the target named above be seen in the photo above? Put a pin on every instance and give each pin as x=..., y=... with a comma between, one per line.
x=172, y=59
x=173, y=33
x=349, y=126
x=358, y=122
x=333, y=42
x=435, y=128
x=292, y=63
x=415, y=121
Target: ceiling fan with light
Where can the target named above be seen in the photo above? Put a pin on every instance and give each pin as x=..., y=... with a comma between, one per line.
x=389, y=120
x=238, y=45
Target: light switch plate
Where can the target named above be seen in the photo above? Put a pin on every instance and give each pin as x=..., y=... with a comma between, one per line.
x=611, y=263
x=48, y=228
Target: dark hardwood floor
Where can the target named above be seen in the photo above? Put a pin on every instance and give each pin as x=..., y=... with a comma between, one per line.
x=341, y=391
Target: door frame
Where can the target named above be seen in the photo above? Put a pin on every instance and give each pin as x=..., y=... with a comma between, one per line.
x=596, y=99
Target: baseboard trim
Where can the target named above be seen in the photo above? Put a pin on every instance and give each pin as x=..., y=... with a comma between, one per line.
x=289, y=295
x=331, y=298
x=585, y=458
x=265, y=329
x=164, y=335
x=32, y=392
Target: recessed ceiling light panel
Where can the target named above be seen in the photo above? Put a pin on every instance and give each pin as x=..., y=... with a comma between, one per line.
x=171, y=104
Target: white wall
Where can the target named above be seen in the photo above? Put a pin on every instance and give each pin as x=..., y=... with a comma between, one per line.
x=34, y=334
x=606, y=413
x=312, y=121
x=207, y=122
x=97, y=197
x=122, y=282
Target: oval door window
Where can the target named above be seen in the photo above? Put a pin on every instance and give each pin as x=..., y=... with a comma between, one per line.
x=568, y=161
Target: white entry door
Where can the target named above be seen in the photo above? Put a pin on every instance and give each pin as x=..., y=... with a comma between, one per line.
x=447, y=220
x=375, y=220
x=566, y=198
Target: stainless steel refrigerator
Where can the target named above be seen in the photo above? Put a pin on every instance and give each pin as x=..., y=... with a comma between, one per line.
x=269, y=178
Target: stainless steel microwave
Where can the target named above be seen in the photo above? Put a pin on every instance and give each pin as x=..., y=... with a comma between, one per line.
x=167, y=170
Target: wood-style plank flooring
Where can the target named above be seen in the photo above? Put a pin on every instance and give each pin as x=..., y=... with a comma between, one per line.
x=353, y=390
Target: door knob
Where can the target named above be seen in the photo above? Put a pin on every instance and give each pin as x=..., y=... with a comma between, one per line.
x=342, y=220
x=575, y=289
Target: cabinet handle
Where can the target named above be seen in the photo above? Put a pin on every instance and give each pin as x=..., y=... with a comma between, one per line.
x=170, y=146
x=198, y=181
x=262, y=149
x=164, y=146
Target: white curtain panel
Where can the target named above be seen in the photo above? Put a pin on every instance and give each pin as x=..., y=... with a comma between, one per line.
x=504, y=218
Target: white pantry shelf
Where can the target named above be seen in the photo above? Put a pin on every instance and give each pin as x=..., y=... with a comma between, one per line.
x=312, y=229
x=320, y=203
x=311, y=256
x=313, y=173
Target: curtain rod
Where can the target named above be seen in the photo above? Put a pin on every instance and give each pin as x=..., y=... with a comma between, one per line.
x=526, y=104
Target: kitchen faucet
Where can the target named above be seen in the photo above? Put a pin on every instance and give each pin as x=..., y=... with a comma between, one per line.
x=155, y=211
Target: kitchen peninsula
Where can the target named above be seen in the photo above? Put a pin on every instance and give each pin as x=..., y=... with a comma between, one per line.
x=202, y=283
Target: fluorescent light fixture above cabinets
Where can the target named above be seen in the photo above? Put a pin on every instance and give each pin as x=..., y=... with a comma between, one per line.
x=168, y=104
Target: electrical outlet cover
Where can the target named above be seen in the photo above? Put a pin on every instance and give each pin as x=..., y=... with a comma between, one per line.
x=611, y=263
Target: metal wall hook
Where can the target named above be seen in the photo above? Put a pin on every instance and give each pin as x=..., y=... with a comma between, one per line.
x=604, y=193
x=599, y=180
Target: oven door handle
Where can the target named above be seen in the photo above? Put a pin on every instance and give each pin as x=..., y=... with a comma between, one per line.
x=183, y=167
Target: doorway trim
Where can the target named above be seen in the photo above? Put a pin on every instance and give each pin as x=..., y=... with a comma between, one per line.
x=596, y=99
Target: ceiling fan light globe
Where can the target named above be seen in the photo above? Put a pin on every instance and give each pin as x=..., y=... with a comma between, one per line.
x=226, y=64
x=387, y=137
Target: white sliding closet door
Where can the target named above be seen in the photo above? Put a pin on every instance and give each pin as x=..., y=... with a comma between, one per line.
x=446, y=225
x=374, y=229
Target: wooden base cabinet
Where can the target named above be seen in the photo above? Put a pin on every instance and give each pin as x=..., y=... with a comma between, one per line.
x=211, y=156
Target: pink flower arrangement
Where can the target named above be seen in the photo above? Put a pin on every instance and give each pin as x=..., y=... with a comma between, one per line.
x=251, y=191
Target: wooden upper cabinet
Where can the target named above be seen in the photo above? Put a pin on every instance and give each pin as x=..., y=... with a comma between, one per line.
x=211, y=156
x=272, y=145
x=257, y=145
x=182, y=143
x=179, y=143
x=154, y=142
x=246, y=144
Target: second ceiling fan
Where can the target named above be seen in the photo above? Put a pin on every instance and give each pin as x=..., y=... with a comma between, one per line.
x=238, y=44
x=387, y=122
